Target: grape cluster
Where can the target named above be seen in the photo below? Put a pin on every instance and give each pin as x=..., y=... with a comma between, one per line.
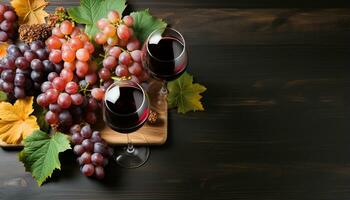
x=8, y=23
x=92, y=150
x=25, y=67
x=62, y=93
x=123, y=54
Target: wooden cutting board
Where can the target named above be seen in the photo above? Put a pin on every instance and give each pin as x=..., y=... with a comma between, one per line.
x=149, y=134
x=10, y=146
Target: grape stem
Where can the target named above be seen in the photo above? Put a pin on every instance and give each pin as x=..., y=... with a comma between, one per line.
x=85, y=89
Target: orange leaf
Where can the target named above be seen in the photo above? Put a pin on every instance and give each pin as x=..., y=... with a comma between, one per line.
x=3, y=48
x=15, y=120
x=30, y=11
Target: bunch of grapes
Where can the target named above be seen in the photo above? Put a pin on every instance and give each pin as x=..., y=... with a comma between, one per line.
x=8, y=23
x=25, y=67
x=62, y=93
x=123, y=54
x=92, y=150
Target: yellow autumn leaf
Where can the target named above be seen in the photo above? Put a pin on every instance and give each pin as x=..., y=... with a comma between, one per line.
x=16, y=123
x=30, y=11
x=3, y=48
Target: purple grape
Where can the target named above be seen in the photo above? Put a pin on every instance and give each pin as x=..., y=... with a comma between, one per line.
x=9, y=61
x=10, y=16
x=7, y=87
x=85, y=158
x=99, y=172
x=37, y=76
x=92, y=104
x=99, y=147
x=14, y=51
x=65, y=118
x=109, y=152
x=42, y=54
x=3, y=36
x=23, y=47
x=76, y=112
x=90, y=117
x=88, y=145
x=78, y=150
x=37, y=45
x=51, y=76
x=28, y=84
x=96, y=137
x=37, y=65
x=57, y=109
x=30, y=55
x=25, y=72
x=86, y=132
x=19, y=93
x=75, y=129
x=77, y=139
x=1, y=82
x=22, y=63
x=88, y=170
x=49, y=66
x=58, y=68
x=97, y=159
x=3, y=9
x=46, y=86
x=7, y=75
x=6, y=25
x=20, y=80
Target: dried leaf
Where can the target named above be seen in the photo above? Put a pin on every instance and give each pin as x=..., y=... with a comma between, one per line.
x=15, y=120
x=3, y=48
x=30, y=11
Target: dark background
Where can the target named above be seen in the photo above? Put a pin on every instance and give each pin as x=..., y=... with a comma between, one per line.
x=276, y=124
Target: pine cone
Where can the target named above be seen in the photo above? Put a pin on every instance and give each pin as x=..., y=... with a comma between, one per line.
x=59, y=16
x=30, y=33
x=153, y=117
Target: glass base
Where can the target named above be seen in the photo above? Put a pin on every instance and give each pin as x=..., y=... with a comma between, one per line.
x=131, y=158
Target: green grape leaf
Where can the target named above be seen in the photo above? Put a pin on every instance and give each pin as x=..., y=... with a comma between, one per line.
x=3, y=96
x=90, y=11
x=184, y=94
x=40, y=112
x=145, y=24
x=40, y=154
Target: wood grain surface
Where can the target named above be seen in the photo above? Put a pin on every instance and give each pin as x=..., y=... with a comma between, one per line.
x=276, y=125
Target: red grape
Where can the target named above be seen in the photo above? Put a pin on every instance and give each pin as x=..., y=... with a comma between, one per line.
x=66, y=27
x=51, y=117
x=72, y=87
x=64, y=100
x=88, y=170
x=59, y=83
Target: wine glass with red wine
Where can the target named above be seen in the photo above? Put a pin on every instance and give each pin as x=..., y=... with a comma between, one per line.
x=125, y=110
x=164, y=55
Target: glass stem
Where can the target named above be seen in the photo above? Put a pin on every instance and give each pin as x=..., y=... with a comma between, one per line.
x=130, y=147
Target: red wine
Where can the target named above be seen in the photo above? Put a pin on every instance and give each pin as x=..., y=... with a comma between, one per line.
x=125, y=108
x=167, y=60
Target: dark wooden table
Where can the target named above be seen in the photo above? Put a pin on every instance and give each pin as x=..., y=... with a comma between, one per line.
x=276, y=124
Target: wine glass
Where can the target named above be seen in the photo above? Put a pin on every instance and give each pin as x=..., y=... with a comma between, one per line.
x=125, y=110
x=164, y=55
